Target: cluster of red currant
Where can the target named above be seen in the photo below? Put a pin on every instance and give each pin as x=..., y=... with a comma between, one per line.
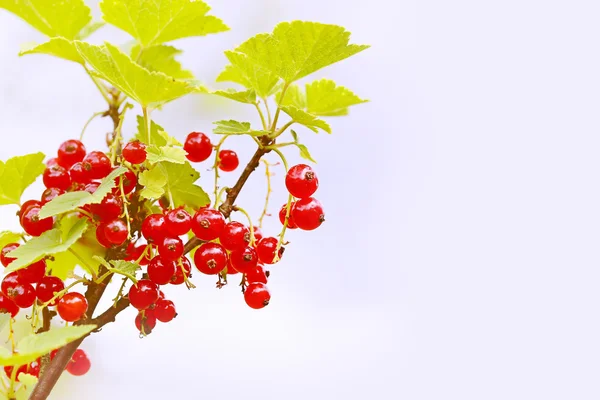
x=78, y=365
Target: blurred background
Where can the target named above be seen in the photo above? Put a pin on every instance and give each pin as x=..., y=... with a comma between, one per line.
x=460, y=257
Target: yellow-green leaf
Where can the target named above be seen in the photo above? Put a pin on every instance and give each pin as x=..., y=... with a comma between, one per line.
x=248, y=74
x=28, y=382
x=154, y=181
x=7, y=237
x=89, y=29
x=155, y=136
x=325, y=98
x=232, y=127
x=158, y=154
x=161, y=58
x=301, y=117
x=16, y=174
x=245, y=96
x=57, y=47
x=294, y=96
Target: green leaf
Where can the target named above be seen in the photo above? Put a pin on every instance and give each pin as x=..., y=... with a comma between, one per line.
x=89, y=29
x=7, y=237
x=325, y=98
x=51, y=17
x=16, y=174
x=311, y=121
x=180, y=182
x=232, y=127
x=155, y=136
x=154, y=181
x=125, y=268
x=50, y=242
x=158, y=21
x=166, y=153
x=304, y=153
x=36, y=345
x=294, y=96
x=161, y=58
x=149, y=89
x=73, y=200
x=28, y=383
x=169, y=140
x=297, y=49
x=57, y=47
x=248, y=74
x=245, y=96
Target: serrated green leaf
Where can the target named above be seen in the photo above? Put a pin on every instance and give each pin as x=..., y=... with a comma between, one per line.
x=312, y=122
x=165, y=153
x=154, y=181
x=153, y=22
x=73, y=200
x=248, y=74
x=16, y=174
x=304, y=153
x=169, y=140
x=149, y=89
x=299, y=48
x=36, y=345
x=51, y=17
x=161, y=58
x=180, y=182
x=125, y=268
x=245, y=96
x=7, y=237
x=28, y=383
x=294, y=96
x=57, y=47
x=51, y=242
x=232, y=127
x=155, y=136
x=325, y=98
x=89, y=29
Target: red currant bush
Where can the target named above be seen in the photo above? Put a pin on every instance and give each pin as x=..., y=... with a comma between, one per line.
x=34, y=225
x=301, y=181
x=235, y=236
x=48, y=287
x=266, y=249
x=72, y=306
x=208, y=224
x=161, y=271
x=257, y=295
x=308, y=214
x=178, y=222
x=70, y=152
x=210, y=258
x=164, y=310
x=143, y=294
x=135, y=152
x=80, y=364
x=228, y=160
x=198, y=147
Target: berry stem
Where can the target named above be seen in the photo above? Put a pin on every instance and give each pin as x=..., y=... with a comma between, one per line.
x=262, y=116
x=269, y=191
x=103, y=90
x=266, y=102
x=285, y=225
x=89, y=121
x=147, y=120
x=216, y=168
x=280, y=154
x=279, y=131
x=274, y=124
x=118, y=136
x=240, y=209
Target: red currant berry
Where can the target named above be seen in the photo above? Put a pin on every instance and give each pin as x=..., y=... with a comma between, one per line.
x=301, y=181
x=91, y=187
x=228, y=160
x=143, y=294
x=33, y=273
x=178, y=222
x=33, y=225
x=50, y=194
x=111, y=207
x=129, y=182
x=10, y=281
x=8, y=370
x=4, y=254
x=23, y=294
x=97, y=164
x=79, y=364
x=101, y=236
x=72, y=306
x=230, y=270
x=135, y=152
x=57, y=177
x=257, y=295
x=51, y=162
x=244, y=260
x=70, y=152
x=210, y=258
x=27, y=205
x=208, y=224
x=116, y=232
x=282, y=214
x=79, y=174
x=178, y=278
x=266, y=249
x=153, y=228
x=235, y=236
x=135, y=252
x=198, y=147
x=34, y=368
x=48, y=287
x=256, y=274
x=161, y=271
x=171, y=248
x=7, y=306
x=308, y=214
x=165, y=310
x=257, y=234
x=147, y=319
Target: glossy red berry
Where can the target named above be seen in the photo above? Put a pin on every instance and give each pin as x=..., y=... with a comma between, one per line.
x=256, y=274
x=79, y=364
x=97, y=164
x=147, y=319
x=282, y=214
x=70, y=152
x=308, y=214
x=258, y=234
x=79, y=174
x=244, y=260
x=160, y=271
x=228, y=160
x=129, y=182
x=198, y=147
x=116, y=232
x=58, y=177
x=8, y=370
x=143, y=294
x=51, y=162
x=50, y=194
x=178, y=278
x=7, y=306
x=171, y=248
x=33, y=273
x=266, y=249
x=33, y=224
x=10, y=281
x=48, y=287
x=235, y=236
x=91, y=187
x=301, y=181
x=4, y=253
x=111, y=207
x=208, y=224
x=178, y=222
x=257, y=295
x=135, y=152
x=210, y=258
x=101, y=236
x=230, y=270
x=34, y=368
x=165, y=310
x=27, y=205
x=153, y=228
x=135, y=252
x=72, y=306
x=23, y=294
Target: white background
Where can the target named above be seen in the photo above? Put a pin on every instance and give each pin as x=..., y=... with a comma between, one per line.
x=460, y=256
